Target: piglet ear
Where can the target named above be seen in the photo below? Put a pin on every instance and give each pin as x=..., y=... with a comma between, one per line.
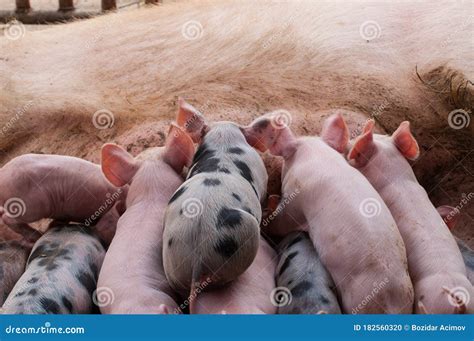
x=179, y=148
x=191, y=120
x=335, y=132
x=449, y=214
x=405, y=141
x=363, y=147
x=118, y=165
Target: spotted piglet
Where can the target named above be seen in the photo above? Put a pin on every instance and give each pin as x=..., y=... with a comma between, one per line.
x=34, y=186
x=326, y=197
x=13, y=256
x=300, y=271
x=61, y=274
x=133, y=267
x=436, y=265
x=212, y=221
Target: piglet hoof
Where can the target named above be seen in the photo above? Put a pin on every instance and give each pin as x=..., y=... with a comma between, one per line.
x=223, y=312
x=322, y=312
x=163, y=310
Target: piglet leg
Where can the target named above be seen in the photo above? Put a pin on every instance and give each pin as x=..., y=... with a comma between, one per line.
x=28, y=232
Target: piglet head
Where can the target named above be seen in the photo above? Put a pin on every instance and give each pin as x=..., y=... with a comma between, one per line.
x=270, y=132
x=119, y=167
x=191, y=120
x=335, y=133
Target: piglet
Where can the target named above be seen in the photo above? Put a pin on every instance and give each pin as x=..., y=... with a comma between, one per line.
x=435, y=262
x=323, y=195
x=13, y=256
x=450, y=216
x=61, y=274
x=36, y=186
x=133, y=267
x=305, y=284
x=212, y=220
x=251, y=293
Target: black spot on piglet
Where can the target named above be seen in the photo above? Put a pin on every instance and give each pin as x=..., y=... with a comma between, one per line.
x=49, y=306
x=211, y=182
x=87, y=281
x=228, y=217
x=226, y=247
x=67, y=304
x=286, y=262
x=236, y=150
x=177, y=194
x=244, y=170
x=301, y=288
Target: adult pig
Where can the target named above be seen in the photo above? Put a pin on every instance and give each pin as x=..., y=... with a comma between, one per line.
x=13, y=256
x=212, y=220
x=250, y=293
x=303, y=278
x=333, y=204
x=133, y=267
x=61, y=274
x=36, y=186
x=435, y=262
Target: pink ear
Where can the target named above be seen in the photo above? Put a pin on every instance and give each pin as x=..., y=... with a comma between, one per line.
x=449, y=214
x=191, y=120
x=335, y=132
x=118, y=165
x=363, y=147
x=405, y=141
x=179, y=148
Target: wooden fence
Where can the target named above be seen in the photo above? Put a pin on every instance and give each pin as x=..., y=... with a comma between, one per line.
x=66, y=11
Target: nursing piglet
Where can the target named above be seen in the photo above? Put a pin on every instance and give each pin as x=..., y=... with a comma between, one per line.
x=61, y=274
x=306, y=286
x=65, y=188
x=212, y=220
x=325, y=196
x=13, y=256
x=435, y=262
x=133, y=267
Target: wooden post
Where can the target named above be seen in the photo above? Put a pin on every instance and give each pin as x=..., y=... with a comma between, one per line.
x=66, y=5
x=23, y=6
x=108, y=5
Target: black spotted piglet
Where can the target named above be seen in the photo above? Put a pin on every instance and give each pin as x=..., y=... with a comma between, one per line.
x=212, y=221
x=61, y=274
x=13, y=256
x=304, y=286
